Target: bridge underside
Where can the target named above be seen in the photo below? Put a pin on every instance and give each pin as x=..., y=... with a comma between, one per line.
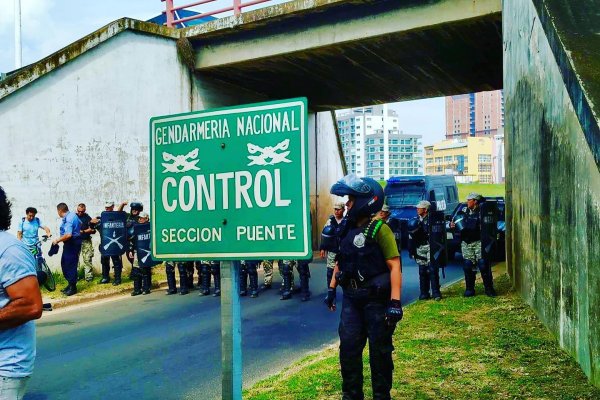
x=368, y=60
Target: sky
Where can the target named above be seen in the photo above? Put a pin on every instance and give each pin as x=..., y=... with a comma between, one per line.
x=49, y=25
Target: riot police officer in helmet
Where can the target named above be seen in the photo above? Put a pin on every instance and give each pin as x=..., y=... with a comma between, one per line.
x=368, y=269
x=471, y=225
x=419, y=248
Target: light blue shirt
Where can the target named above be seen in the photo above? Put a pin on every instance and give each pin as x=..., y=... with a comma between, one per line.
x=17, y=345
x=70, y=224
x=30, y=230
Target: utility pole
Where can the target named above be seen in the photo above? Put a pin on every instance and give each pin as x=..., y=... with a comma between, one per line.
x=18, y=52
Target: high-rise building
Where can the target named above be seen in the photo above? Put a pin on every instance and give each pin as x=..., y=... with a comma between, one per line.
x=373, y=145
x=470, y=159
x=474, y=114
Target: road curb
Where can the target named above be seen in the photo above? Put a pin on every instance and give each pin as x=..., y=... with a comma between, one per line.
x=91, y=297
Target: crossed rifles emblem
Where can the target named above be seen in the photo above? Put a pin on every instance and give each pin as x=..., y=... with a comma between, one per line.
x=112, y=240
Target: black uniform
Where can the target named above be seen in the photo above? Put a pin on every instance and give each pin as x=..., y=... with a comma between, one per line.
x=140, y=274
x=365, y=279
x=429, y=273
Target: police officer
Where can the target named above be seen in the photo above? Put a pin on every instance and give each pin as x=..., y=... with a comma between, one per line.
x=105, y=260
x=330, y=238
x=182, y=267
x=383, y=214
x=210, y=268
x=468, y=221
x=429, y=275
x=70, y=235
x=135, y=208
x=368, y=269
x=248, y=272
x=141, y=276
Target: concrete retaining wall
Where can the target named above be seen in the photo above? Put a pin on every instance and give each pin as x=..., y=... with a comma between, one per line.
x=553, y=188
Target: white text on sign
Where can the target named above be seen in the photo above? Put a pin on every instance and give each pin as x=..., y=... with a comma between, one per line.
x=239, y=189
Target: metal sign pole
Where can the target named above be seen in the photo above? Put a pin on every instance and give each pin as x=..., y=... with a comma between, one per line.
x=231, y=331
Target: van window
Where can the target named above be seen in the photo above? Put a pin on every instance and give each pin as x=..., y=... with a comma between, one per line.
x=451, y=194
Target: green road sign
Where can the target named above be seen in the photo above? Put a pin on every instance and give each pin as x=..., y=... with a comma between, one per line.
x=231, y=183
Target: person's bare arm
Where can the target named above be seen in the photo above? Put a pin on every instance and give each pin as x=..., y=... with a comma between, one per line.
x=122, y=206
x=396, y=276
x=63, y=238
x=47, y=230
x=20, y=235
x=25, y=303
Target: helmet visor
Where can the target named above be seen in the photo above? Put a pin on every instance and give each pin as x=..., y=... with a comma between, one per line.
x=351, y=184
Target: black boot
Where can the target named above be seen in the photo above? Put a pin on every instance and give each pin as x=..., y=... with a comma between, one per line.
x=434, y=278
x=136, y=276
x=424, y=282
x=254, y=285
x=117, y=280
x=171, y=281
x=488, y=279
x=183, y=279
x=216, y=271
x=146, y=280
x=469, y=279
x=71, y=289
x=243, y=281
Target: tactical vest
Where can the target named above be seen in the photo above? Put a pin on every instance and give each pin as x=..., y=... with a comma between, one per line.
x=472, y=221
x=360, y=257
x=421, y=236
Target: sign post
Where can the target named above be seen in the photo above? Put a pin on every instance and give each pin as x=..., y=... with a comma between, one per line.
x=231, y=184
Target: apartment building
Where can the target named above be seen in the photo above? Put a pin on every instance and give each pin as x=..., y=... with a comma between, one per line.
x=374, y=146
x=474, y=115
x=469, y=159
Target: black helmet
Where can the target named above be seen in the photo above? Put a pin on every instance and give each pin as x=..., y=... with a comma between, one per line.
x=136, y=205
x=367, y=192
x=413, y=225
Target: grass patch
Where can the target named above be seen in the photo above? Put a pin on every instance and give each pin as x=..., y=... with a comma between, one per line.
x=158, y=274
x=476, y=348
x=496, y=189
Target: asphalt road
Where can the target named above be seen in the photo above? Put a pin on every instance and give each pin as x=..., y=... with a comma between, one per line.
x=168, y=347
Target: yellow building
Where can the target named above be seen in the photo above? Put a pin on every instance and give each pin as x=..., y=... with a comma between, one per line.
x=470, y=159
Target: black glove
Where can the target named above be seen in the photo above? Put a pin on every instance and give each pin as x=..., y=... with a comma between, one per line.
x=330, y=298
x=394, y=312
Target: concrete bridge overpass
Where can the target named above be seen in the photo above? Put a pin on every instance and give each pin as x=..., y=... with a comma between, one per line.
x=342, y=53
